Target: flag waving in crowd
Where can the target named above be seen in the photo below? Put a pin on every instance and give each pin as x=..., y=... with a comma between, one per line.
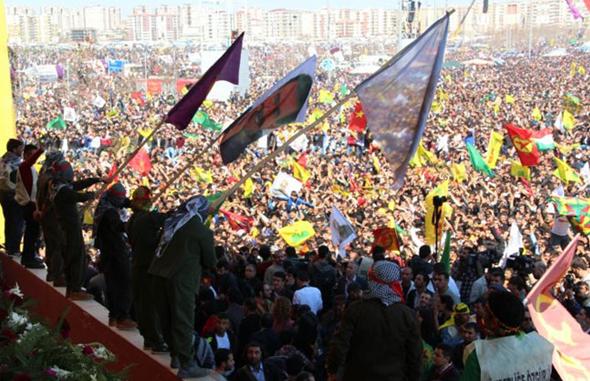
x=522, y=140
x=285, y=102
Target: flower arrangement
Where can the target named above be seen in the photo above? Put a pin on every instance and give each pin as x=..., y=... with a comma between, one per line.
x=29, y=350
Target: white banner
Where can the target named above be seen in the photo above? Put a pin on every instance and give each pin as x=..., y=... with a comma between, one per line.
x=284, y=185
x=342, y=230
x=70, y=114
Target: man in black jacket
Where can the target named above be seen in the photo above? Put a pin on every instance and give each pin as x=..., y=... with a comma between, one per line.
x=378, y=338
x=111, y=240
x=65, y=195
x=255, y=370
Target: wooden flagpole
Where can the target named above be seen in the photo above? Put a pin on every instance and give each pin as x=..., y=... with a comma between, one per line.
x=217, y=203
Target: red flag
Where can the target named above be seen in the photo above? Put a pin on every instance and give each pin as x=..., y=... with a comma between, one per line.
x=587, y=2
x=237, y=221
x=386, y=238
x=302, y=160
x=111, y=173
x=138, y=97
x=571, y=357
x=525, y=146
x=141, y=162
x=358, y=119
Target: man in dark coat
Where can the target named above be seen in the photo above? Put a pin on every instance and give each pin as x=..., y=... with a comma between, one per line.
x=65, y=195
x=52, y=233
x=115, y=255
x=186, y=248
x=378, y=338
x=255, y=369
x=143, y=230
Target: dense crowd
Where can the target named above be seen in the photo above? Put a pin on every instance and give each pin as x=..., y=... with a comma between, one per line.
x=260, y=301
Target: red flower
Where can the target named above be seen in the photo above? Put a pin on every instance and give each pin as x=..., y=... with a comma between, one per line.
x=88, y=351
x=8, y=335
x=21, y=377
x=51, y=373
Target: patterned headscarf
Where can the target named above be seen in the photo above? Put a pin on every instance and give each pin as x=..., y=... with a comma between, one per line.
x=384, y=282
x=114, y=198
x=195, y=206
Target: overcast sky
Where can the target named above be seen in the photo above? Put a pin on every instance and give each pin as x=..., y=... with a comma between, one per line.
x=127, y=5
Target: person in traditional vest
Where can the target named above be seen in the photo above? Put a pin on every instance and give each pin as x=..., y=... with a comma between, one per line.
x=507, y=353
x=26, y=197
x=143, y=230
x=46, y=214
x=115, y=255
x=186, y=248
x=65, y=195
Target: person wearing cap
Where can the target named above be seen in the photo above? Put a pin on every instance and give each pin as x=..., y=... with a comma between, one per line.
x=13, y=217
x=450, y=329
x=115, y=256
x=185, y=249
x=506, y=351
x=143, y=230
x=65, y=194
x=379, y=336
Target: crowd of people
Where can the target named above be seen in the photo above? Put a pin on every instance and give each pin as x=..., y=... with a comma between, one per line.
x=222, y=290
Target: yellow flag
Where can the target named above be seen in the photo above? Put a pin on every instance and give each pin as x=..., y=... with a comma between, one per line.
x=39, y=162
x=254, y=232
x=145, y=132
x=459, y=172
x=566, y=149
x=299, y=172
x=568, y=121
x=442, y=190
x=145, y=181
x=391, y=205
x=436, y=107
x=315, y=115
x=200, y=175
x=297, y=233
x=248, y=188
x=207, y=103
x=494, y=147
x=573, y=69
x=581, y=70
x=376, y=164
x=423, y=157
x=565, y=173
x=518, y=170
x=509, y=99
x=537, y=114
x=325, y=97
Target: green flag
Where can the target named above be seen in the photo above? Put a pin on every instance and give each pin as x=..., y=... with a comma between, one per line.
x=478, y=163
x=202, y=118
x=446, y=255
x=56, y=124
x=343, y=89
x=191, y=136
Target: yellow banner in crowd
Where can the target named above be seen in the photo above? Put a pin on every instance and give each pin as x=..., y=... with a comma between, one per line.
x=494, y=147
x=442, y=190
x=297, y=233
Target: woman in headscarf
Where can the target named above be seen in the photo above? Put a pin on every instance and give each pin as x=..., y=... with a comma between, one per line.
x=115, y=256
x=186, y=248
x=379, y=337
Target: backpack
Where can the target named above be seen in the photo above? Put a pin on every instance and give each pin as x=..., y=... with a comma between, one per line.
x=203, y=353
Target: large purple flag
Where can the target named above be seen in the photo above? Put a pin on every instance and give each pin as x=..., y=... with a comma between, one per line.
x=397, y=98
x=227, y=68
x=284, y=103
x=574, y=10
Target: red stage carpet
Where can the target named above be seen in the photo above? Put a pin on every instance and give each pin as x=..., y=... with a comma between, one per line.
x=88, y=322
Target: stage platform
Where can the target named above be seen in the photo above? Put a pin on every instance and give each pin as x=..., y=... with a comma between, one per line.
x=89, y=323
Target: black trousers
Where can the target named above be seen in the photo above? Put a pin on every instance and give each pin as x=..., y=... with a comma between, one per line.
x=31, y=240
x=117, y=275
